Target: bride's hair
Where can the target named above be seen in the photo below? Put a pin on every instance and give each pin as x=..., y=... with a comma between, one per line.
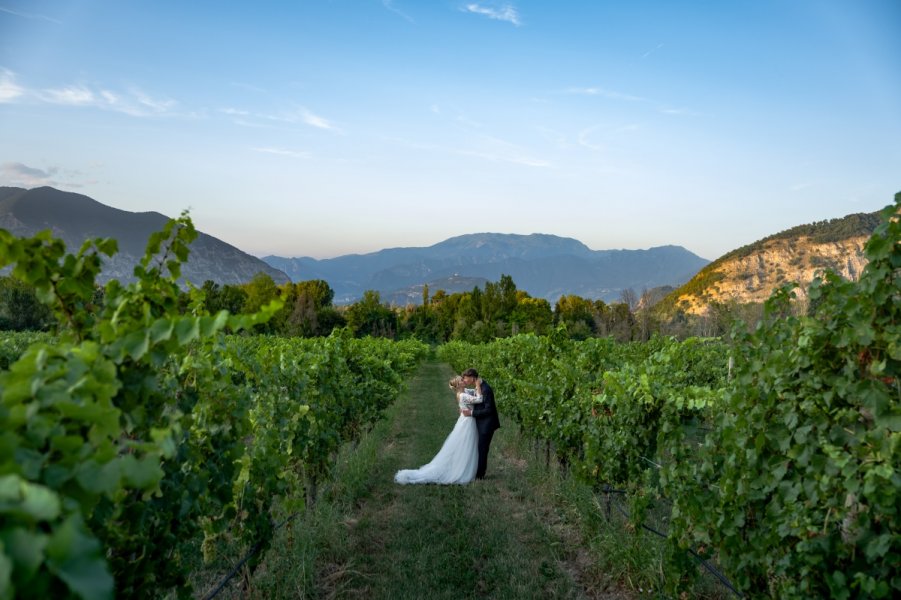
x=456, y=383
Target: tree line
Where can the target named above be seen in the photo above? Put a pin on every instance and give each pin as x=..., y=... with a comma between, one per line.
x=496, y=310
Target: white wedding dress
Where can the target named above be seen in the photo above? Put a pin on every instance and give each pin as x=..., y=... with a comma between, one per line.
x=457, y=460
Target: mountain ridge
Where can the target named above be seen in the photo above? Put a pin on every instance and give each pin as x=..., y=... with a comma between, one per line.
x=544, y=265
x=75, y=217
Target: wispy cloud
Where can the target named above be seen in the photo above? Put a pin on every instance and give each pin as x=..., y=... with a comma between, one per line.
x=154, y=105
x=504, y=12
x=680, y=111
x=133, y=101
x=301, y=115
x=136, y=102
x=652, y=50
x=498, y=150
x=596, y=91
x=21, y=175
x=249, y=87
x=554, y=137
x=485, y=147
x=602, y=137
x=314, y=120
x=467, y=122
x=649, y=103
x=283, y=152
x=584, y=139
x=74, y=95
x=526, y=161
x=389, y=4
x=9, y=89
x=30, y=16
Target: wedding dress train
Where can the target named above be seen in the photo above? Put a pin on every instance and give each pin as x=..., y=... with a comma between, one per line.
x=456, y=462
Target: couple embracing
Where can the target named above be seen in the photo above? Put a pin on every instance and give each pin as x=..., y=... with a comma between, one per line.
x=464, y=454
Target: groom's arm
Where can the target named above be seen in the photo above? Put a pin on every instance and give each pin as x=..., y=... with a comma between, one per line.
x=486, y=406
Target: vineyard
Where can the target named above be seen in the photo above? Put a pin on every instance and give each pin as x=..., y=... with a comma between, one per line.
x=783, y=468
x=145, y=438
x=141, y=437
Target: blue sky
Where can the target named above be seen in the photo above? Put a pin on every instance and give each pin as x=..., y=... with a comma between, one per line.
x=320, y=128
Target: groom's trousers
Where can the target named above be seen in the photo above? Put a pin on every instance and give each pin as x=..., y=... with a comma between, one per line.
x=484, y=443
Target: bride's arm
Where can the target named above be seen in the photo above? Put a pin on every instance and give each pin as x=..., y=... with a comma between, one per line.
x=465, y=403
x=471, y=398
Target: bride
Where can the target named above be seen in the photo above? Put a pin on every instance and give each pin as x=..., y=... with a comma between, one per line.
x=457, y=460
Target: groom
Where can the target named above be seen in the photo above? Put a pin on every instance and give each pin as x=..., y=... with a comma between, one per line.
x=485, y=414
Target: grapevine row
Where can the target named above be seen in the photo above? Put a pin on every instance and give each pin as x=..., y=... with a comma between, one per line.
x=787, y=470
x=143, y=435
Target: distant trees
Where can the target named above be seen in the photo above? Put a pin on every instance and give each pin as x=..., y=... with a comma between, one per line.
x=311, y=311
x=577, y=314
x=307, y=309
x=585, y=318
x=498, y=309
x=20, y=309
x=223, y=297
x=531, y=315
x=482, y=314
x=370, y=317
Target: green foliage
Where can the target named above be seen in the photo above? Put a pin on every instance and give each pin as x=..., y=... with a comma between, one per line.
x=787, y=474
x=370, y=317
x=579, y=396
x=63, y=282
x=577, y=314
x=307, y=309
x=13, y=345
x=20, y=309
x=143, y=435
x=799, y=487
x=498, y=311
x=310, y=310
x=532, y=315
x=226, y=297
x=422, y=323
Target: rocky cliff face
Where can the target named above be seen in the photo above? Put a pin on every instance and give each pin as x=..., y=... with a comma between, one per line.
x=753, y=277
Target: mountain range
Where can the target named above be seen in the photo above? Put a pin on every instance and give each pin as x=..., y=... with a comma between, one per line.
x=545, y=266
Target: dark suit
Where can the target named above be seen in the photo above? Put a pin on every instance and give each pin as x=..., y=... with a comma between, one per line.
x=487, y=422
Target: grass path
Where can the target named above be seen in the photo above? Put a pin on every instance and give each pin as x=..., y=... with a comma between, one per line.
x=526, y=531
x=496, y=538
